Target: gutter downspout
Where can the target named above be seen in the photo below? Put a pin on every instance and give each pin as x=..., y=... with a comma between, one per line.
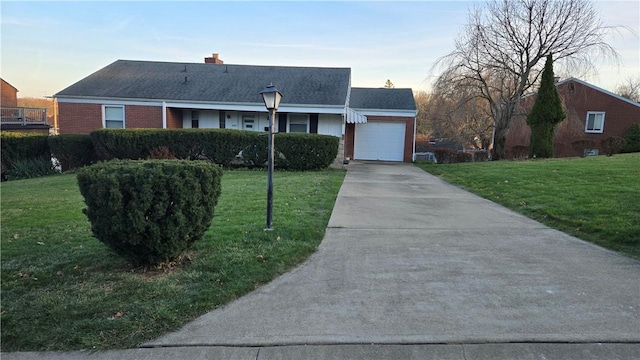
x=415, y=132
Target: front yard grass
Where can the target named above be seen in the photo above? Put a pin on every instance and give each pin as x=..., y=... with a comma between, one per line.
x=596, y=199
x=64, y=290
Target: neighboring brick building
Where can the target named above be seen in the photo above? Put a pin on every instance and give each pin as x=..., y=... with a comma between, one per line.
x=9, y=95
x=593, y=114
x=20, y=119
x=374, y=124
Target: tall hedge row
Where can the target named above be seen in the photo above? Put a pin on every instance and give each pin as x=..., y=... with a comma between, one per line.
x=150, y=211
x=222, y=146
x=72, y=150
x=298, y=152
x=16, y=147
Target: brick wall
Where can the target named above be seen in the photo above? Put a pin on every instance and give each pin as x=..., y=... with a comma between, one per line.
x=76, y=118
x=79, y=118
x=139, y=117
x=9, y=95
x=578, y=99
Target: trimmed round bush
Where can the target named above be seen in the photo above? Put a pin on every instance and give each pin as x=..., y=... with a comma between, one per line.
x=150, y=211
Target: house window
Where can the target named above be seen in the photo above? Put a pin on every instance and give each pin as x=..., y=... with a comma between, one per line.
x=113, y=116
x=195, y=119
x=595, y=122
x=298, y=123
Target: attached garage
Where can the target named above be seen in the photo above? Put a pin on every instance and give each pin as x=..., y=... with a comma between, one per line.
x=379, y=140
x=380, y=125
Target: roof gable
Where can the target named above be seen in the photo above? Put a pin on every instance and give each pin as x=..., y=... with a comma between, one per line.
x=7, y=83
x=618, y=97
x=217, y=83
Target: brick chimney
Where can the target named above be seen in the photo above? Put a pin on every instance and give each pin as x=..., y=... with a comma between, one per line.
x=214, y=59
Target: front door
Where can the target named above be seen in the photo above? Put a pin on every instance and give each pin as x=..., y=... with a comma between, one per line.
x=248, y=122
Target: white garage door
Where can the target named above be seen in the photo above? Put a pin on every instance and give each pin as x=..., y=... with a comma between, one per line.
x=379, y=140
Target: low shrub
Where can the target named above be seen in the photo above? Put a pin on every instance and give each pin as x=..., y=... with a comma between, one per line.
x=72, y=150
x=480, y=156
x=30, y=168
x=150, y=211
x=632, y=139
x=449, y=156
x=613, y=145
x=22, y=146
x=161, y=153
x=582, y=147
x=301, y=152
x=520, y=152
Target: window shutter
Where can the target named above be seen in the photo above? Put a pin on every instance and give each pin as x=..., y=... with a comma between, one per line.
x=282, y=122
x=313, y=123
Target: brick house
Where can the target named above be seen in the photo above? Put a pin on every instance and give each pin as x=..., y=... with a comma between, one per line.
x=374, y=124
x=9, y=94
x=593, y=114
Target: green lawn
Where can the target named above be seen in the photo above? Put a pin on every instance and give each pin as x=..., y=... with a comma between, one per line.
x=595, y=198
x=64, y=290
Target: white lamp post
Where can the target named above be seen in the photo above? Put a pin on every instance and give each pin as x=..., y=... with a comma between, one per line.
x=271, y=97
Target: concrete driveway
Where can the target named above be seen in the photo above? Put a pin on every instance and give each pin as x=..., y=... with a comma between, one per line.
x=410, y=259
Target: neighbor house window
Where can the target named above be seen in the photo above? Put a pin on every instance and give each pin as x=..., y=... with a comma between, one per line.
x=595, y=122
x=113, y=116
x=298, y=123
x=195, y=119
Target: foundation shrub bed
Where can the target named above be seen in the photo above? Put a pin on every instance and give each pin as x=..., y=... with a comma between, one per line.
x=632, y=139
x=613, y=145
x=150, y=211
x=22, y=146
x=221, y=146
x=303, y=152
x=30, y=168
x=450, y=156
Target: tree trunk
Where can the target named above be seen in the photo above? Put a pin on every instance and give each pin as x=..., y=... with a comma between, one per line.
x=499, y=152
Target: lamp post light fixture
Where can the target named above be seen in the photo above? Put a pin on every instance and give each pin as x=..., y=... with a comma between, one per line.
x=271, y=97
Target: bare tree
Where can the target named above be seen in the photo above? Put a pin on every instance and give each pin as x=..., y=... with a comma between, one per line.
x=630, y=89
x=498, y=55
x=422, y=100
x=456, y=114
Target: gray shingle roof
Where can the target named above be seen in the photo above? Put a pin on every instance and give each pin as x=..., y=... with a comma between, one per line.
x=213, y=83
x=382, y=98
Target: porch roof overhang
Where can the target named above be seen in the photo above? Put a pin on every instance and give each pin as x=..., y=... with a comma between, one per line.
x=354, y=117
x=206, y=105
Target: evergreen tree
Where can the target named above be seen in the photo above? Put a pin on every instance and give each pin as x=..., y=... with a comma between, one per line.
x=546, y=113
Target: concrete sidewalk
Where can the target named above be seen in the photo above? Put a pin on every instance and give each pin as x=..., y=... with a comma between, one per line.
x=423, y=270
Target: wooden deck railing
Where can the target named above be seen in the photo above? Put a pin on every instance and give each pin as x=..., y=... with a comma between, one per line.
x=23, y=116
